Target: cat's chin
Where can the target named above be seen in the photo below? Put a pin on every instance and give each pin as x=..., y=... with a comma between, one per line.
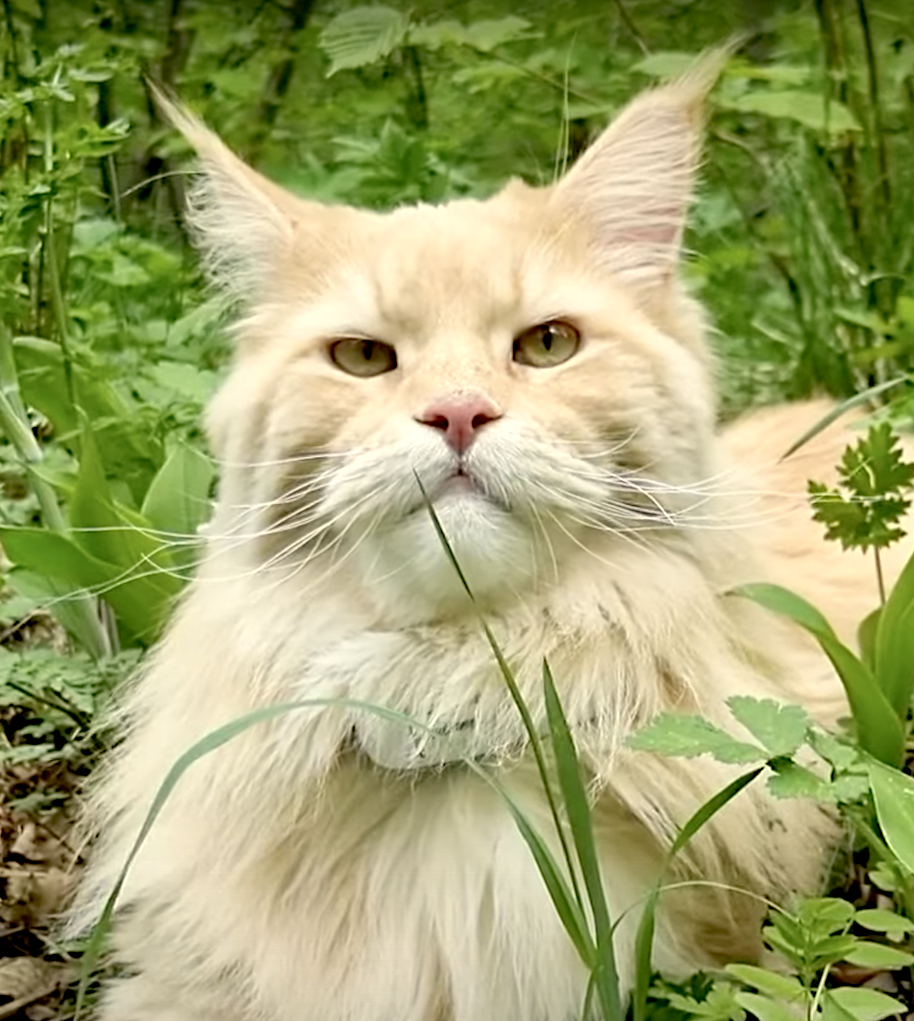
x=408, y=574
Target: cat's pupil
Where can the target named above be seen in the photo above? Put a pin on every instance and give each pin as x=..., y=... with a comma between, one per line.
x=367, y=350
x=547, y=337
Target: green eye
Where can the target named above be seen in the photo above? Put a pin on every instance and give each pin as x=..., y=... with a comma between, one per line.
x=546, y=345
x=361, y=357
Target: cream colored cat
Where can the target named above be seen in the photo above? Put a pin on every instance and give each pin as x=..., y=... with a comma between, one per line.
x=533, y=360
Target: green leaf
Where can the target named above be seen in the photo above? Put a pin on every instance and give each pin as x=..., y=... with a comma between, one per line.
x=877, y=920
x=878, y=726
x=764, y=1008
x=361, y=36
x=577, y=809
x=710, y=808
x=893, y=795
x=780, y=728
x=863, y=1004
x=667, y=64
x=178, y=500
x=808, y=108
x=831, y=949
x=644, y=947
x=837, y=753
x=688, y=735
x=782, y=987
x=861, y=398
x=561, y=895
x=866, y=638
x=54, y=556
x=487, y=34
x=875, y=478
x=792, y=780
x=63, y=600
x=824, y=915
x=894, y=643
x=878, y=955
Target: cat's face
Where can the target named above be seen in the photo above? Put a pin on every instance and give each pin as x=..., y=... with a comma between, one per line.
x=526, y=365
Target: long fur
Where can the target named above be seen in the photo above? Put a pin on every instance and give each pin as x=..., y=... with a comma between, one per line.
x=338, y=865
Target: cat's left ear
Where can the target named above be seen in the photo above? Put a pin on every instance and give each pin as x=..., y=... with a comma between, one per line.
x=633, y=186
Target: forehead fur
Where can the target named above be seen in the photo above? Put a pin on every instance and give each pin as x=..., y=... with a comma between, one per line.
x=460, y=260
x=625, y=200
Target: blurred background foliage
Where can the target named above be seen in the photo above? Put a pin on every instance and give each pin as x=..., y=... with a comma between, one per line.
x=801, y=237
x=801, y=244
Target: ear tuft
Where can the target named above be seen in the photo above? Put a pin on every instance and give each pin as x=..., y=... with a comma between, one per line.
x=242, y=223
x=633, y=185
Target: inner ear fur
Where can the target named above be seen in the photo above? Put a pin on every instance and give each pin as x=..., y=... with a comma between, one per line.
x=633, y=186
x=251, y=232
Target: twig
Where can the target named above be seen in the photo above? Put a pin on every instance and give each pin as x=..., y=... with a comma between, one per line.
x=627, y=21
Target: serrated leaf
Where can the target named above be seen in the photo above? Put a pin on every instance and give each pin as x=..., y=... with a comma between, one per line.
x=877, y=920
x=835, y=752
x=850, y=787
x=878, y=955
x=863, y=1004
x=362, y=36
x=780, y=728
x=792, y=780
x=687, y=735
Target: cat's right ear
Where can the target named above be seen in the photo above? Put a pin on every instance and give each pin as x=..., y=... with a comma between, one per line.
x=247, y=228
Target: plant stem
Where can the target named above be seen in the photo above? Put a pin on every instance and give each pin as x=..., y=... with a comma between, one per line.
x=880, y=580
x=53, y=270
x=80, y=613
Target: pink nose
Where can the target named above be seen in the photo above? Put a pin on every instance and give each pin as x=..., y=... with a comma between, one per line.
x=460, y=420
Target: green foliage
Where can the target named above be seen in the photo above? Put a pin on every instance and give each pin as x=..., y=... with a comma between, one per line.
x=49, y=702
x=110, y=345
x=866, y=507
x=811, y=941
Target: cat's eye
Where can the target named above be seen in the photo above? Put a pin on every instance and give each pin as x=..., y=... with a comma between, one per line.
x=547, y=344
x=361, y=357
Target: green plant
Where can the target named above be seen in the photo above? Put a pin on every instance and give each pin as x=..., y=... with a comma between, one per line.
x=880, y=682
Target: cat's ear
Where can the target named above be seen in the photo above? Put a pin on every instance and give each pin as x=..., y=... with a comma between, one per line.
x=633, y=185
x=247, y=228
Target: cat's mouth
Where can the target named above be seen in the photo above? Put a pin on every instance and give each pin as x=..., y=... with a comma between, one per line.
x=462, y=483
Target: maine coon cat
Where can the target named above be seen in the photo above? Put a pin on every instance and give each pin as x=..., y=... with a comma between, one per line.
x=534, y=361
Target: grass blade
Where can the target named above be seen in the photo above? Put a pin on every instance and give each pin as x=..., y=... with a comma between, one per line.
x=710, y=808
x=878, y=726
x=894, y=643
x=577, y=807
x=516, y=696
x=841, y=409
x=644, y=940
x=215, y=739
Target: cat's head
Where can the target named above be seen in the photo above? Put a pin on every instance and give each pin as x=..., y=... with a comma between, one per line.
x=529, y=364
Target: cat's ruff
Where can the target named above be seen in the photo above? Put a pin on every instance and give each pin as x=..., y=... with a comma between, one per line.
x=331, y=865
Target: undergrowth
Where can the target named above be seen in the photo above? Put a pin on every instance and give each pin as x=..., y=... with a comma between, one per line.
x=110, y=346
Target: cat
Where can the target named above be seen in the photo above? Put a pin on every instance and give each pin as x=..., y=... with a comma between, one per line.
x=532, y=367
